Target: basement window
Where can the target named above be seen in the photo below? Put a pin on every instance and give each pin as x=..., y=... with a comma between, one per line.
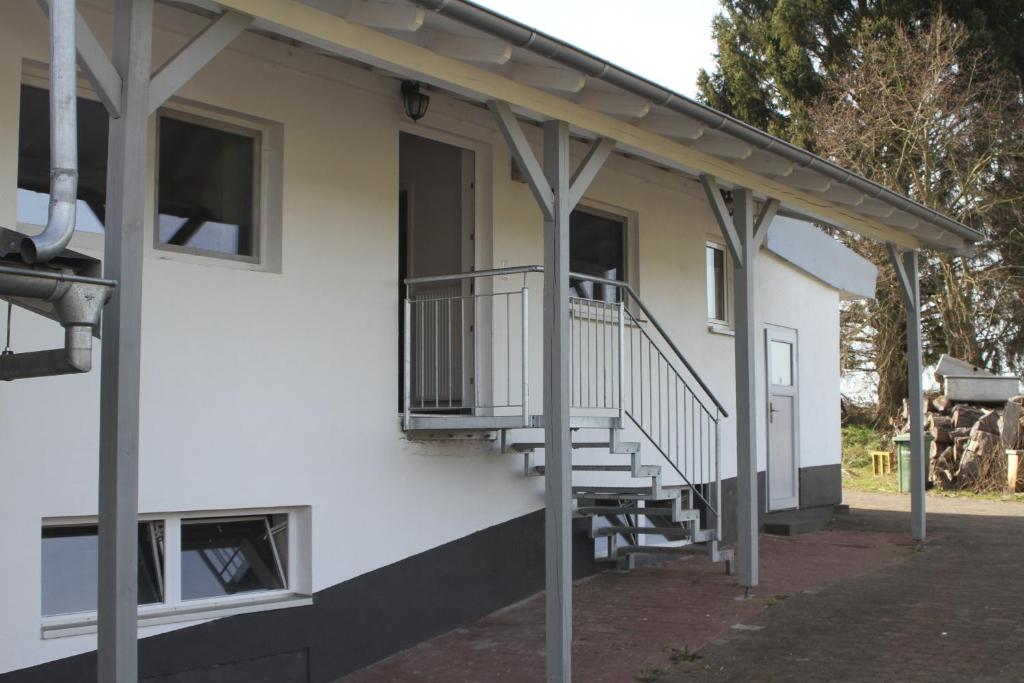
x=33, y=195
x=232, y=555
x=70, y=567
x=191, y=566
x=208, y=179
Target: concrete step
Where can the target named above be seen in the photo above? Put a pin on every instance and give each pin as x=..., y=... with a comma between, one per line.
x=622, y=447
x=643, y=470
x=793, y=522
x=688, y=549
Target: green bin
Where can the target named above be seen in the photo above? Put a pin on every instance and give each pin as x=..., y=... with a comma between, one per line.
x=903, y=459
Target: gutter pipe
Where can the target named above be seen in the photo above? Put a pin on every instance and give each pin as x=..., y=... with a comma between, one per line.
x=60, y=223
x=543, y=45
x=77, y=301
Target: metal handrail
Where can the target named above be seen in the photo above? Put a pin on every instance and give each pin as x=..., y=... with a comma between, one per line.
x=491, y=272
x=654, y=321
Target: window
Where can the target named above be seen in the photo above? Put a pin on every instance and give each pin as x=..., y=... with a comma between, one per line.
x=207, y=188
x=597, y=246
x=70, y=567
x=33, y=195
x=232, y=555
x=780, y=361
x=717, y=284
x=189, y=567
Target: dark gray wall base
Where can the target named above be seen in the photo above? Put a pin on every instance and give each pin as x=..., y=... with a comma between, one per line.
x=353, y=624
x=821, y=485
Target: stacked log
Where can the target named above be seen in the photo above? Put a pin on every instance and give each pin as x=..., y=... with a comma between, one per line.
x=968, y=450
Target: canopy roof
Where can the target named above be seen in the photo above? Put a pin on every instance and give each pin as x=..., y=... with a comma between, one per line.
x=479, y=55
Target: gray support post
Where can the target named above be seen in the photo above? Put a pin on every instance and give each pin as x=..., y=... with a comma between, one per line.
x=557, y=446
x=905, y=264
x=746, y=420
x=122, y=331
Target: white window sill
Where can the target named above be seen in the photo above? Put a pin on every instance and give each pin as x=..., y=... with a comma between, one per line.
x=193, y=610
x=720, y=328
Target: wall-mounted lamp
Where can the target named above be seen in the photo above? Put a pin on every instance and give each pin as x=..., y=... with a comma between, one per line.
x=415, y=102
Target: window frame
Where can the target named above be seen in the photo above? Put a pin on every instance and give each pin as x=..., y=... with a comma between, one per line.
x=296, y=566
x=268, y=192
x=207, y=120
x=723, y=325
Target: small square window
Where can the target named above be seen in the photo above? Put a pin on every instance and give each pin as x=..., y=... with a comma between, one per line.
x=717, y=284
x=70, y=567
x=232, y=555
x=207, y=188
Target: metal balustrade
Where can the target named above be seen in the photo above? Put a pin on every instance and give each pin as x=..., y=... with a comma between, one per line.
x=624, y=364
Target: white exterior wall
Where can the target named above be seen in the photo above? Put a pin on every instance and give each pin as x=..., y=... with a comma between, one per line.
x=266, y=389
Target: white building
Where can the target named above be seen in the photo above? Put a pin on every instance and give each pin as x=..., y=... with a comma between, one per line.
x=327, y=475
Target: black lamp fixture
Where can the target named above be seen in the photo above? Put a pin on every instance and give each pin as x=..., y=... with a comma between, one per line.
x=415, y=102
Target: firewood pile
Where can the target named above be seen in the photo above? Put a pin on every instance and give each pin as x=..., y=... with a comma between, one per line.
x=968, y=450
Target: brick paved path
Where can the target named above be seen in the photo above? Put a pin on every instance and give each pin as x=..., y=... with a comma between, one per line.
x=953, y=612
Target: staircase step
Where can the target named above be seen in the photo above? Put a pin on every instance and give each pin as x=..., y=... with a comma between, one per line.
x=624, y=446
x=658, y=549
x=539, y=469
x=609, y=510
x=629, y=492
x=667, y=532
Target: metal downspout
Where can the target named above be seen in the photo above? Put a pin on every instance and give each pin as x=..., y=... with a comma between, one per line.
x=557, y=51
x=60, y=223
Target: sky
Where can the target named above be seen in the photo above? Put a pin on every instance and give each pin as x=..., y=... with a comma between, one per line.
x=666, y=41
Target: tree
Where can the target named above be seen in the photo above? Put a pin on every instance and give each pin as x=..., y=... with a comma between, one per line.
x=918, y=112
x=923, y=109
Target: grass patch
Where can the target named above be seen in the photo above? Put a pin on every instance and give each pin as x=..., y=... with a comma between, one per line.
x=860, y=440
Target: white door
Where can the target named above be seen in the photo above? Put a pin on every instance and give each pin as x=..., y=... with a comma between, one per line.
x=783, y=455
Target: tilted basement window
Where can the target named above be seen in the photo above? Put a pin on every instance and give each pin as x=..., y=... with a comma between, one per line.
x=232, y=555
x=208, y=179
x=190, y=567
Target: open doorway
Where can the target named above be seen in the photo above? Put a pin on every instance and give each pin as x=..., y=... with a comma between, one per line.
x=435, y=237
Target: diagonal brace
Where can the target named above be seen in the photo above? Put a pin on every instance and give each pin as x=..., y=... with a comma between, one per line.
x=764, y=221
x=907, y=289
x=93, y=60
x=725, y=224
x=188, y=61
x=599, y=152
x=526, y=160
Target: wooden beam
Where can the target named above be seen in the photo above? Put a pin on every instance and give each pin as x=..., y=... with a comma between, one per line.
x=524, y=157
x=599, y=152
x=305, y=24
x=764, y=220
x=614, y=104
x=386, y=15
x=903, y=220
x=844, y=194
x=95, y=63
x=728, y=148
x=676, y=127
x=763, y=162
x=548, y=78
x=197, y=53
x=873, y=207
x=809, y=180
x=466, y=48
x=722, y=217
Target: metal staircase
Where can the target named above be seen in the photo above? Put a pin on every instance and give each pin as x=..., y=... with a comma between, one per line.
x=629, y=379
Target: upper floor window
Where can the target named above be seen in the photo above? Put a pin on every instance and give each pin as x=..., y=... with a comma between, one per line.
x=597, y=246
x=33, y=195
x=717, y=284
x=207, y=180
